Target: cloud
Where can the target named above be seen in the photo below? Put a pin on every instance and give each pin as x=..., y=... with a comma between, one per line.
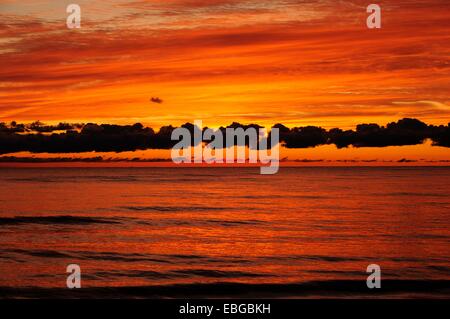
x=59, y=159
x=116, y=138
x=38, y=126
x=403, y=132
x=156, y=100
x=430, y=104
x=197, y=50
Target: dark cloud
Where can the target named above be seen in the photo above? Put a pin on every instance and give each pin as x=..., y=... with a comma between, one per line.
x=78, y=138
x=302, y=137
x=442, y=136
x=37, y=126
x=92, y=137
x=95, y=159
x=404, y=132
x=156, y=100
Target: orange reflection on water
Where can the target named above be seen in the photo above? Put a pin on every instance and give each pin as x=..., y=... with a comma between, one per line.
x=160, y=226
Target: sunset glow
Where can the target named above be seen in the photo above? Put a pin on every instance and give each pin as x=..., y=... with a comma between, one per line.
x=195, y=151
x=294, y=62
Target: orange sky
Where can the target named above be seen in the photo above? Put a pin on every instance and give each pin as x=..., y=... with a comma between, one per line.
x=280, y=61
x=295, y=62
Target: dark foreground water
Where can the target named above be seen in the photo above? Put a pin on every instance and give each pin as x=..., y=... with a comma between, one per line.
x=208, y=232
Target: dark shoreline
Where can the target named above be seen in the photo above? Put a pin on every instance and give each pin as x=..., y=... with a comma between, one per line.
x=395, y=289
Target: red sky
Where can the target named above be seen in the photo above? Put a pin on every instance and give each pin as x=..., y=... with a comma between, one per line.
x=296, y=62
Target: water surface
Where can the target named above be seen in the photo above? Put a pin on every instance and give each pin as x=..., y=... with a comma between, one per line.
x=158, y=232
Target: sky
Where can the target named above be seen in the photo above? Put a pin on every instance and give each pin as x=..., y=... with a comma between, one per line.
x=297, y=62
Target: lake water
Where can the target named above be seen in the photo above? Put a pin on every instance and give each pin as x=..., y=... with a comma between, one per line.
x=190, y=232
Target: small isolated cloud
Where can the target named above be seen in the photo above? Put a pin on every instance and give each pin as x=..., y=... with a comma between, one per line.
x=156, y=100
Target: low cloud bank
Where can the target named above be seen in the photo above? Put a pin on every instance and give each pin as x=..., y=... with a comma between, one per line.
x=77, y=138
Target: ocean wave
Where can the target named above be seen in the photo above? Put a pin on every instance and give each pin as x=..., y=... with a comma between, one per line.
x=174, y=259
x=55, y=220
x=71, y=179
x=218, y=273
x=228, y=223
x=175, y=274
x=173, y=208
x=314, y=258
